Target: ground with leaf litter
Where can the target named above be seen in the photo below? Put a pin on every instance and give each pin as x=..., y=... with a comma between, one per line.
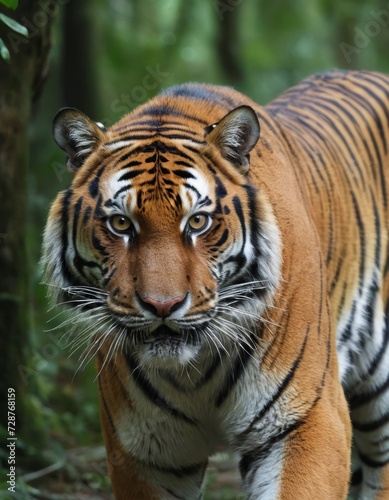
x=83, y=475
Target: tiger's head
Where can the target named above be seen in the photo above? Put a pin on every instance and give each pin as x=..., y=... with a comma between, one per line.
x=162, y=245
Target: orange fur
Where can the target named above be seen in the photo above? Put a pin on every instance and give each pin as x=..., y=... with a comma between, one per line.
x=320, y=171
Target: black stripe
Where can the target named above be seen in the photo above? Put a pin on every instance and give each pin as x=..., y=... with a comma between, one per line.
x=341, y=88
x=128, y=187
x=78, y=261
x=99, y=212
x=338, y=270
x=372, y=425
x=161, y=111
x=255, y=223
x=319, y=389
x=357, y=477
x=321, y=298
x=109, y=277
x=171, y=492
x=211, y=169
x=331, y=243
x=155, y=146
x=366, y=104
x=105, y=406
x=296, y=160
x=283, y=385
x=374, y=464
x=254, y=456
x=181, y=136
x=133, y=137
x=347, y=332
x=359, y=400
x=362, y=240
x=183, y=471
x=183, y=163
x=87, y=215
x=96, y=243
x=205, y=202
x=262, y=451
x=220, y=191
x=65, y=226
x=156, y=128
x=372, y=297
x=338, y=133
x=306, y=147
x=374, y=365
x=192, y=188
x=319, y=103
x=279, y=334
x=130, y=164
x=386, y=270
x=131, y=174
x=239, y=212
x=94, y=187
x=164, y=148
x=223, y=238
x=377, y=223
x=342, y=300
x=357, y=111
x=234, y=374
x=379, y=440
x=139, y=149
x=152, y=159
x=153, y=395
x=184, y=174
x=381, y=104
x=203, y=380
x=330, y=147
x=201, y=93
x=209, y=373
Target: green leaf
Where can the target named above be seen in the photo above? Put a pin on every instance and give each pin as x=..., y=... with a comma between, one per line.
x=4, y=52
x=12, y=4
x=14, y=25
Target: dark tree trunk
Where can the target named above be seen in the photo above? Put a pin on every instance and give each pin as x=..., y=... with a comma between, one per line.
x=79, y=79
x=20, y=83
x=228, y=42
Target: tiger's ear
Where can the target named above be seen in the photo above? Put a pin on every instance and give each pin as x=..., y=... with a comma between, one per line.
x=76, y=134
x=235, y=136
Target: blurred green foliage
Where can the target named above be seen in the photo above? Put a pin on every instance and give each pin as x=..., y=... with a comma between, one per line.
x=140, y=47
x=12, y=4
x=11, y=23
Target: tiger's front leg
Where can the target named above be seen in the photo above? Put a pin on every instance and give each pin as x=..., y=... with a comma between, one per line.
x=133, y=481
x=299, y=462
x=138, y=444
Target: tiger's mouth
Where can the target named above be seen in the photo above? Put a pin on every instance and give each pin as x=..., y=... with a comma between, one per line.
x=164, y=333
x=166, y=343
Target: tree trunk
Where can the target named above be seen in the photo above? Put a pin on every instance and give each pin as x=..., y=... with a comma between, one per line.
x=228, y=42
x=79, y=75
x=21, y=81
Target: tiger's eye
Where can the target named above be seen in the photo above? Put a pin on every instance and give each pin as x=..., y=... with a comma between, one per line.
x=198, y=222
x=119, y=223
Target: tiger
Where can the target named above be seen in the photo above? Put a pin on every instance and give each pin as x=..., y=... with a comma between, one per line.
x=227, y=265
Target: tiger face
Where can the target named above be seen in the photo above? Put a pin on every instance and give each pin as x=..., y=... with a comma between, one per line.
x=160, y=239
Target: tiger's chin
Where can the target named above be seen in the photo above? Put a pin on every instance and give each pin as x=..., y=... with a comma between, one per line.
x=165, y=346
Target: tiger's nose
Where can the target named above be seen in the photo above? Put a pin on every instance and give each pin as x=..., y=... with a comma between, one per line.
x=162, y=309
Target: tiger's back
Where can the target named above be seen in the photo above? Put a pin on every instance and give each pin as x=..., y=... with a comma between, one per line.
x=238, y=283
x=337, y=125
